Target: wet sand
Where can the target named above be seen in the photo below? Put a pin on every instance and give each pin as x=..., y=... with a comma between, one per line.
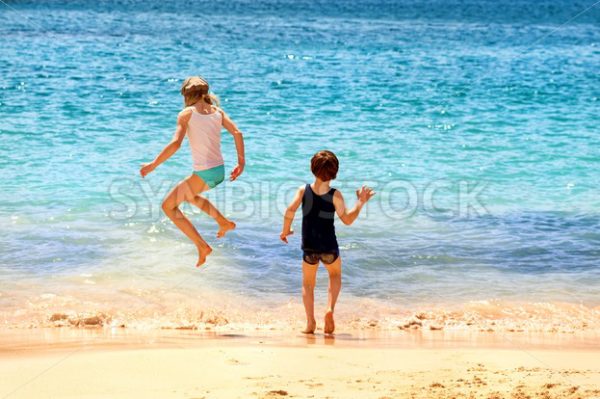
x=92, y=364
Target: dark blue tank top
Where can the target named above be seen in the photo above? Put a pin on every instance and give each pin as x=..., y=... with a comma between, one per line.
x=318, y=212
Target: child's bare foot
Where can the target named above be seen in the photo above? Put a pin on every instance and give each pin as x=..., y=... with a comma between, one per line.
x=329, y=323
x=310, y=327
x=224, y=228
x=203, y=252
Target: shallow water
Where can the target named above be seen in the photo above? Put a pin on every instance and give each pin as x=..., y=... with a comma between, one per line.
x=476, y=122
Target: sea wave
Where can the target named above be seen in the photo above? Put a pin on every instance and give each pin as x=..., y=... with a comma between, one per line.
x=144, y=310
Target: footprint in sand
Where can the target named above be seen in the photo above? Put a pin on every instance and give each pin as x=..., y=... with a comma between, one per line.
x=314, y=385
x=276, y=393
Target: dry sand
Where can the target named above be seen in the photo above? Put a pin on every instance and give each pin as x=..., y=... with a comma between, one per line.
x=203, y=367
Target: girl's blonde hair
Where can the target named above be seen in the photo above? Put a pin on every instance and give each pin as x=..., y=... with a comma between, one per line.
x=195, y=89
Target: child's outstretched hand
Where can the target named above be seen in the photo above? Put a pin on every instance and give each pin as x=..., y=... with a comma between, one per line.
x=147, y=168
x=364, y=194
x=284, y=235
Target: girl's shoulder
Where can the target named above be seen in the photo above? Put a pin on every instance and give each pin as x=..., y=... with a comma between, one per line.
x=219, y=110
x=185, y=113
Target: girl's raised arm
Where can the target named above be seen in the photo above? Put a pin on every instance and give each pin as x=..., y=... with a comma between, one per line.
x=238, y=137
x=182, y=121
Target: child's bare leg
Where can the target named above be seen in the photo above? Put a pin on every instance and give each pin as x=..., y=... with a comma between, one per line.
x=309, y=278
x=184, y=191
x=206, y=206
x=335, y=285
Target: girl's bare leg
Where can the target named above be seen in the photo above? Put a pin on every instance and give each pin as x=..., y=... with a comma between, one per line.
x=335, y=285
x=206, y=206
x=309, y=278
x=185, y=191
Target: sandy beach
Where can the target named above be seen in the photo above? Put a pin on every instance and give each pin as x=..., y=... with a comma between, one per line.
x=474, y=350
x=191, y=365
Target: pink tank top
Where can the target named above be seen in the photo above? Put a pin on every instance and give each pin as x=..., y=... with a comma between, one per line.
x=204, y=134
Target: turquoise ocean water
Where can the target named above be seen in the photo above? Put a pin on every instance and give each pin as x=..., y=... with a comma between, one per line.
x=477, y=122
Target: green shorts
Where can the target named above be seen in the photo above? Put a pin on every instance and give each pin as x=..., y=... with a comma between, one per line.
x=213, y=176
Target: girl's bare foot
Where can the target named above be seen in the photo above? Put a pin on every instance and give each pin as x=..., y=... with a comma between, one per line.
x=203, y=252
x=329, y=323
x=224, y=228
x=310, y=327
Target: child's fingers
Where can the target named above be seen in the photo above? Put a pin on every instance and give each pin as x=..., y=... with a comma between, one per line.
x=235, y=173
x=283, y=236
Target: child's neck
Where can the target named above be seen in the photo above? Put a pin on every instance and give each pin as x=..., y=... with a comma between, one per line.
x=203, y=107
x=321, y=187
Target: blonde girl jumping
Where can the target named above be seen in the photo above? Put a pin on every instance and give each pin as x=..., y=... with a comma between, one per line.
x=202, y=121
